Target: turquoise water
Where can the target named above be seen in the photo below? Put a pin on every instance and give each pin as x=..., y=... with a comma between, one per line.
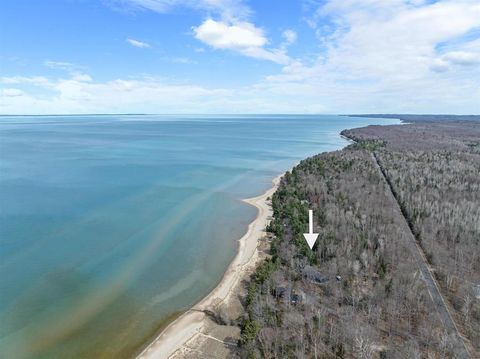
x=109, y=224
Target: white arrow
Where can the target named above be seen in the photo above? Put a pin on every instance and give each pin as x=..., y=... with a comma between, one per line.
x=310, y=237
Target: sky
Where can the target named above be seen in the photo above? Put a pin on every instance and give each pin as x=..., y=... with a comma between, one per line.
x=239, y=56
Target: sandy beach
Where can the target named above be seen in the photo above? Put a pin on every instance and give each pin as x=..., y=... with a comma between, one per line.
x=191, y=323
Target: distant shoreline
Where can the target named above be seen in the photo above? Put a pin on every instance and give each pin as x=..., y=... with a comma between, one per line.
x=420, y=118
x=188, y=324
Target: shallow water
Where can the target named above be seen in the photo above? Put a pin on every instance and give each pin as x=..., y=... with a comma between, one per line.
x=109, y=224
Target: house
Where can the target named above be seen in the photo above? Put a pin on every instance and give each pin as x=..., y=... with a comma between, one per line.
x=314, y=276
x=290, y=295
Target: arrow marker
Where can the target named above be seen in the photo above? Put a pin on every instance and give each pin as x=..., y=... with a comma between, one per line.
x=310, y=237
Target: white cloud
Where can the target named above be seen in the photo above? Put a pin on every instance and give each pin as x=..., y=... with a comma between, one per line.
x=440, y=65
x=61, y=65
x=374, y=56
x=138, y=43
x=290, y=36
x=233, y=31
x=227, y=9
x=462, y=58
x=395, y=38
x=81, y=77
x=11, y=92
x=320, y=93
x=220, y=35
x=450, y=60
x=33, y=80
x=81, y=94
x=242, y=37
x=179, y=60
x=378, y=56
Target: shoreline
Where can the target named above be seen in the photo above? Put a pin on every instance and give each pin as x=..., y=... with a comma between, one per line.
x=188, y=324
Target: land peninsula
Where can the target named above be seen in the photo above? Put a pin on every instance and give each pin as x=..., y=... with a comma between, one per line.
x=395, y=272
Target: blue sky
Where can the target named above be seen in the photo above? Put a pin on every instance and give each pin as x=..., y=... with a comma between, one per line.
x=238, y=56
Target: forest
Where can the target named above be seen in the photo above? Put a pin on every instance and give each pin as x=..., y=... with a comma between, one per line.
x=395, y=272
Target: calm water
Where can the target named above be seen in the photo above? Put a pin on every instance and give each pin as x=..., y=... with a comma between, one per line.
x=108, y=224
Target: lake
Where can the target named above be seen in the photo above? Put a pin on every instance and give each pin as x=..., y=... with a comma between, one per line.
x=109, y=225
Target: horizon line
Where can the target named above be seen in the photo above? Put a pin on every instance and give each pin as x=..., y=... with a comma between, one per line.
x=235, y=114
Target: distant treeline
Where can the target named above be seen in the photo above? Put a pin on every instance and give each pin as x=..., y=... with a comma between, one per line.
x=422, y=118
